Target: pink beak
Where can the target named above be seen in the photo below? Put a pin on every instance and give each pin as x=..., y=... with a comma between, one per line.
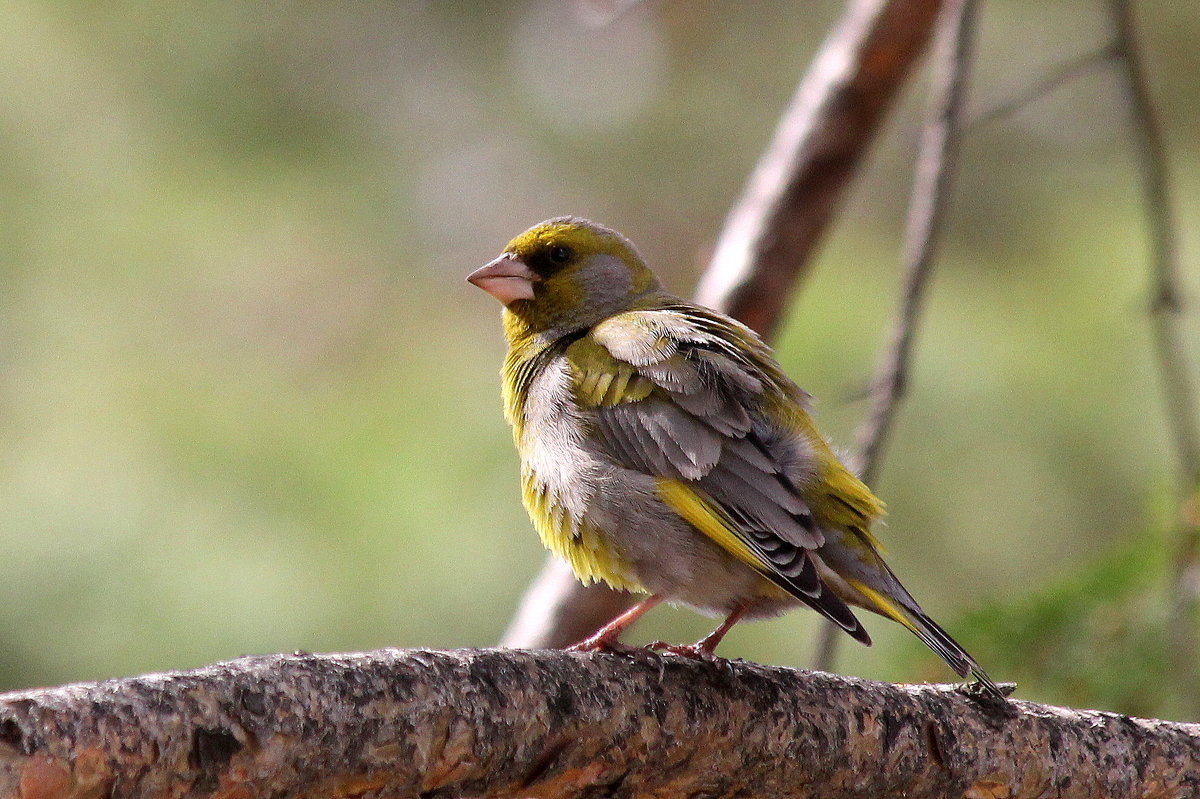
x=506, y=278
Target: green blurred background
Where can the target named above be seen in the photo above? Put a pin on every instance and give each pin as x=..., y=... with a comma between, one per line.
x=248, y=403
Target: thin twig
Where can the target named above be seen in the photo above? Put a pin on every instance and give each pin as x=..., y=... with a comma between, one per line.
x=772, y=231
x=1166, y=303
x=1166, y=308
x=1065, y=73
x=936, y=162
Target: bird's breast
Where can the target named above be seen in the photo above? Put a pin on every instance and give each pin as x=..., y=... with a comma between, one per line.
x=551, y=439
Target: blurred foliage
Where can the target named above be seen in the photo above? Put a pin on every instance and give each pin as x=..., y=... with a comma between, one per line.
x=248, y=404
x=1096, y=636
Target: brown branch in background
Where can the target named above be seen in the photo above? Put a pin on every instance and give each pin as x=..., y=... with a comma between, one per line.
x=772, y=231
x=936, y=161
x=557, y=610
x=1179, y=391
x=505, y=723
x=790, y=198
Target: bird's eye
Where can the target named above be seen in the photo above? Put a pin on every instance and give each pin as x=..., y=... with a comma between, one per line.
x=560, y=254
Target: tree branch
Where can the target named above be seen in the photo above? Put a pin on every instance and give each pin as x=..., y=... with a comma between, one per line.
x=771, y=233
x=401, y=723
x=822, y=137
x=1167, y=303
x=557, y=610
x=936, y=161
x=1179, y=393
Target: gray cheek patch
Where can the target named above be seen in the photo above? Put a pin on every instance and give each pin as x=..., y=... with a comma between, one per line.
x=605, y=281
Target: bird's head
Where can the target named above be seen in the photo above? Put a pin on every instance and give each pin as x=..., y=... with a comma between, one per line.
x=566, y=274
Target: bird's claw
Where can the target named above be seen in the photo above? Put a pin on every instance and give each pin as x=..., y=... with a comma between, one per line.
x=995, y=695
x=697, y=652
x=600, y=643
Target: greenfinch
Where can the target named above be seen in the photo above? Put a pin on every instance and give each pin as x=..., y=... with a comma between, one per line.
x=664, y=451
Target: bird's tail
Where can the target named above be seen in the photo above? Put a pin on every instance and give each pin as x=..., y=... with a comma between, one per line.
x=868, y=582
x=903, y=609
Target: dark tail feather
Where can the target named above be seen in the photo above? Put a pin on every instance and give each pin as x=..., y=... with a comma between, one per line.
x=822, y=600
x=937, y=639
x=898, y=605
x=837, y=611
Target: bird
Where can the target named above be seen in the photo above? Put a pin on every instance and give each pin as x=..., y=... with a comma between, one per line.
x=664, y=451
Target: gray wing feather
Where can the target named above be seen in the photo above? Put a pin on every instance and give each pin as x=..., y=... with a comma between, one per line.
x=743, y=456
x=659, y=438
x=624, y=422
x=727, y=418
x=624, y=450
x=697, y=428
x=731, y=369
x=765, y=503
x=675, y=374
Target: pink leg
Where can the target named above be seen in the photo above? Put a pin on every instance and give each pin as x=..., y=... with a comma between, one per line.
x=708, y=643
x=706, y=646
x=605, y=639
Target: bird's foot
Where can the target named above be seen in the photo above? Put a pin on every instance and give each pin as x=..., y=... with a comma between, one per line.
x=604, y=643
x=988, y=692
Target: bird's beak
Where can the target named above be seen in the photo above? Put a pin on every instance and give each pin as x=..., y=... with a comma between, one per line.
x=506, y=278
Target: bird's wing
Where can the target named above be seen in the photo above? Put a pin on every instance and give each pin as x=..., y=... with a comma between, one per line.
x=675, y=394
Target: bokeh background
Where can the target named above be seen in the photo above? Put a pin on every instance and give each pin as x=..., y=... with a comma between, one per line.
x=248, y=403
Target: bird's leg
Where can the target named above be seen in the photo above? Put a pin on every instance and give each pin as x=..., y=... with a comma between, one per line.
x=605, y=639
x=706, y=646
x=708, y=643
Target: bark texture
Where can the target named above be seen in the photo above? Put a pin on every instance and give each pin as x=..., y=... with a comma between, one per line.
x=509, y=723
